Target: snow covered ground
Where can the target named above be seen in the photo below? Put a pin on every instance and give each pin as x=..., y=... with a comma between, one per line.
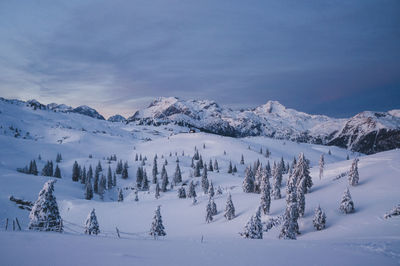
x=360, y=238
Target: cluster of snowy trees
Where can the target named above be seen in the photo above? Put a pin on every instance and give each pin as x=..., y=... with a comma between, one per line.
x=48, y=169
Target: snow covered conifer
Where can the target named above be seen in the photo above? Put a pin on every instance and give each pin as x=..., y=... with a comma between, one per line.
x=353, y=174
x=139, y=177
x=96, y=182
x=118, y=170
x=145, y=182
x=301, y=171
x=114, y=180
x=181, y=193
x=136, y=157
x=88, y=189
x=234, y=170
x=120, y=195
x=321, y=166
x=242, y=160
x=209, y=215
x=164, y=179
x=346, y=205
x=290, y=226
x=124, y=173
x=211, y=191
x=191, y=190
x=84, y=175
x=109, y=179
x=45, y=215
x=204, y=181
x=213, y=206
x=157, y=227
x=301, y=199
x=201, y=162
x=102, y=186
x=319, y=219
x=91, y=224
x=157, y=192
x=248, y=182
x=277, y=179
x=216, y=168
x=253, y=227
x=197, y=170
x=75, y=172
x=57, y=172
x=210, y=166
x=230, y=168
x=265, y=199
x=229, y=209
x=178, y=174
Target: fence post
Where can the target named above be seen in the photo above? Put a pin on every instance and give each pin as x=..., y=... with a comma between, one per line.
x=19, y=227
x=6, y=224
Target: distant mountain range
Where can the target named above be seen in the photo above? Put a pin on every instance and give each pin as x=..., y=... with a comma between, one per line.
x=367, y=132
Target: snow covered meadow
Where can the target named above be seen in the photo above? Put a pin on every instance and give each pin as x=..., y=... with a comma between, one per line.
x=362, y=237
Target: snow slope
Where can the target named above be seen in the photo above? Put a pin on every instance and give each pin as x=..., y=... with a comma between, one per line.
x=364, y=237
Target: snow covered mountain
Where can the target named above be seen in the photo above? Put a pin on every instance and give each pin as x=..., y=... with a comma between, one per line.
x=275, y=120
x=117, y=118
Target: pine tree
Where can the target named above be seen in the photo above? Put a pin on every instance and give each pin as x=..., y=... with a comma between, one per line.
x=319, y=219
x=154, y=170
x=321, y=166
x=136, y=157
x=229, y=209
x=216, y=168
x=191, y=190
x=301, y=199
x=102, y=186
x=211, y=191
x=34, y=168
x=201, y=164
x=258, y=178
x=181, y=193
x=346, y=205
x=75, y=172
x=347, y=157
x=58, y=158
x=353, y=174
x=192, y=165
x=210, y=166
x=114, y=180
x=213, y=206
x=88, y=189
x=301, y=171
x=57, y=172
x=120, y=195
x=290, y=226
x=139, y=177
x=248, y=182
x=234, y=170
x=230, y=168
x=265, y=200
x=118, y=170
x=157, y=227
x=109, y=178
x=136, y=196
x=124, y=173
x=204, y=181
x=44, y=215
x=164, y=179
x=145, y=182
x=91, y=224
x=277, y=180
x=98, y=167
x=253, y=227
x=96, y=181
x=268, y=169
x=89, y=174
x=157, y=193
x=242, y=160
x=83, y=176
x=197, y=170
x=178, y=174
x=209, y=216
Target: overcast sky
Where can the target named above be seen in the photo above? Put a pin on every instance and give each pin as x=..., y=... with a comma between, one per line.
x=330, y=57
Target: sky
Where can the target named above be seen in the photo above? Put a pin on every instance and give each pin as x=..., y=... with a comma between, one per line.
x=325, y=57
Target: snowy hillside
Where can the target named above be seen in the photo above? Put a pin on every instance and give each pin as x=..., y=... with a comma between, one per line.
x=364, y=237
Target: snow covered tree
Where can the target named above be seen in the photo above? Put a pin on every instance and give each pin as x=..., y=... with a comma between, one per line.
x=209, y=216
x=102, y=186
x=91, y=224
x=290, y=226
x=353, y=174
x=136, y=157
x=120, y=195
x=88, y=189
x=229, y=209
x=248, y=182
x=145, y=182
x=230, y=170
x=242, y=160
x=154, y=171
x=181, y=193
x=319, y=219
x=157, y=228
x=265, y=199
x=210, y=166
x=197, y=170
x=178, y=174
x=109, y=178
x=75, y=172
x=213, y=206
x=164, y=179
x=139, y=177
x=253, y=227
x=211, y=191
x=83, y=175
x=347, y=204
x=321, y=166
x=33, y=168
x=301, y=171
x=234, y=170
x=57, y=172
x=118, y=170
x=258, y=175
x=201, y=165
x=124, y=173
x=301, y=199
x=191, y=190
x=45, y=215
x=216, y=167
x=157, y=192
x=136, y=195
x=96, y=182
x=114, y=180
x=277, y=182
x=204, y=181
x=58, y=158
